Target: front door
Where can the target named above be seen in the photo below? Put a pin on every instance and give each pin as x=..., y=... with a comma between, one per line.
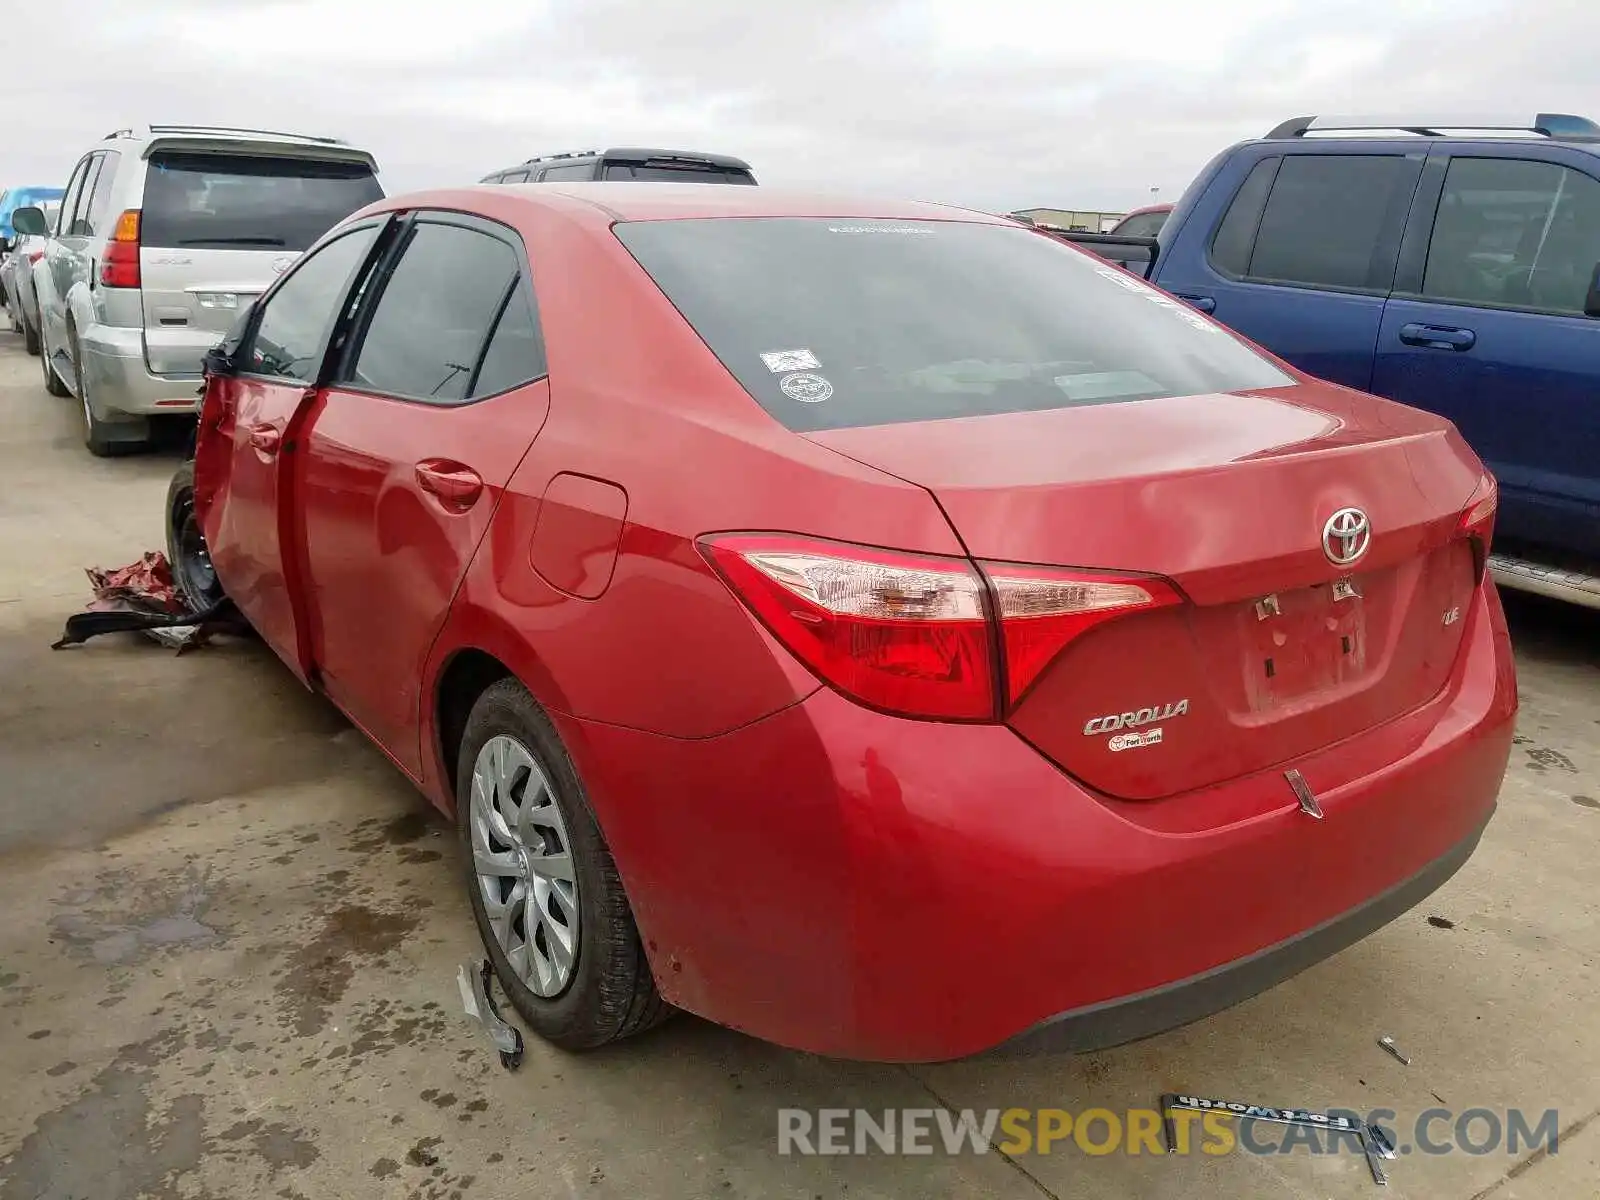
x=406, y=455
x=259, y=412
x=1487, y=327
x=66, y=262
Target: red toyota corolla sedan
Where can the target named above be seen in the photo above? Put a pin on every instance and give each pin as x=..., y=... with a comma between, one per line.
x=877, y=627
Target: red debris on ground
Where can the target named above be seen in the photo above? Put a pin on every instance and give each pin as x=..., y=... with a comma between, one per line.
x=143, y=586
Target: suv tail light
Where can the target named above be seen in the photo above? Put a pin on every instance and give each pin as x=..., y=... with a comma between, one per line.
x=119, y=261
x=1477, y=519
x=917, y=634
x=34, y=256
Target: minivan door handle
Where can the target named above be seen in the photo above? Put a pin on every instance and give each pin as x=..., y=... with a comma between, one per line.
x=1204, y=303
x=457, y=487
x=1437, y=337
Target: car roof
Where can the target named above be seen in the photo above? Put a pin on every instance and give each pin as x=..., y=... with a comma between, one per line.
x=604, y=203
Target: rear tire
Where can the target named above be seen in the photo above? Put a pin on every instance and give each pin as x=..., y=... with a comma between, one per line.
x=30, y=335
x=606, y=991
x=98, y=434
x=192, y=572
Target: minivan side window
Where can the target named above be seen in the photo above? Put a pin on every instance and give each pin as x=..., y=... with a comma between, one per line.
x=1514, y=233
x=1325, y=220
x=289, y=336
x=69, y=201
x=434, y=314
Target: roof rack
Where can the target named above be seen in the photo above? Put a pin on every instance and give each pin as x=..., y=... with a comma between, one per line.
x=1550, y=125
x=636, y=154
x=271, y=133
x=553, y=157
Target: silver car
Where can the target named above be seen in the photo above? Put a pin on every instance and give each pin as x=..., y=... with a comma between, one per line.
x=16, y=280
x=165, y=235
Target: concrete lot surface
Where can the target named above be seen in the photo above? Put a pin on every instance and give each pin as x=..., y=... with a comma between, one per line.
x=229, y=935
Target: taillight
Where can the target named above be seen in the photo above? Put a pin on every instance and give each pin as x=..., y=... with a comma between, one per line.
x=1043, y=609
x=1477, y=519
x=915, y=634
x=905, y=633
x=34, y=256
x=119, y=261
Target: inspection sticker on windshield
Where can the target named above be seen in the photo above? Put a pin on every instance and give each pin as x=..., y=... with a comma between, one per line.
x=808, y=389
x=780, y=361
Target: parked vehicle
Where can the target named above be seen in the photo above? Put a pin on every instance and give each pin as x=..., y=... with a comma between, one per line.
x=16, y=280
x=1451, y=269
x=19, y=197
x=1143, y=222
x=627, y=165
x=896, y=632
x=163, y=234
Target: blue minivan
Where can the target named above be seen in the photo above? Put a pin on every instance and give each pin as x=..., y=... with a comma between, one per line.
x=1451, y=265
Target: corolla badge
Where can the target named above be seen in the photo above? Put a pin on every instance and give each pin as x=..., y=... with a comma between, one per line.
x=1137, y=719
x=1346, y=536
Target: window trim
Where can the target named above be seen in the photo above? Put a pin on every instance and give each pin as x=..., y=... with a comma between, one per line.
x=384, y=223
x=344, y=365
x=1418, y=242
x=80, y=170
x=1390, y=233
x=91, y=180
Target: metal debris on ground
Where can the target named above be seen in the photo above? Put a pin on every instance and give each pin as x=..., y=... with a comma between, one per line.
x=477, y=999
x=142, y=597
x=1387, y=1043
x=1374, y=1143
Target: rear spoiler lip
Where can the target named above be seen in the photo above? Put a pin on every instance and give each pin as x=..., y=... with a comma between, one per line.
x=1087, y=238
x=262, y=148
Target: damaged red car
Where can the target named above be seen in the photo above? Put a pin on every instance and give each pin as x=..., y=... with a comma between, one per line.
x=880, y=628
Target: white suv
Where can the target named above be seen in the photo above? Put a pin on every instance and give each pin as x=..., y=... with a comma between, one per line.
x=165, y=234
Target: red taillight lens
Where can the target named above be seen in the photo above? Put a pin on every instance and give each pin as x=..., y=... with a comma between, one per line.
x=1043, y=609
x=119, y=261
x=35, y=255
x=905, y=633
x=912, y=634
x=1477, y=519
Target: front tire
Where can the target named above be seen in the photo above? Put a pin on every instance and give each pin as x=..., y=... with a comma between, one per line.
x=545, y=892
x=192, y=571
x=52, y=381
x=30, y=335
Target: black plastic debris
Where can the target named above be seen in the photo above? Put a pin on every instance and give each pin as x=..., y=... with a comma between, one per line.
x=142, y=598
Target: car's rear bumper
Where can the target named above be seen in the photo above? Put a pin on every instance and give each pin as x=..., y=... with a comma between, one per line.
x=120, y=381
x=856, y=884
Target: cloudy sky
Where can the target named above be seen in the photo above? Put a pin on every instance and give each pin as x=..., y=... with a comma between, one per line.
x=997, y=104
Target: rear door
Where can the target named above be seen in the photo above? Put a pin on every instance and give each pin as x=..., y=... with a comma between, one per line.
x=406, y=457
x=218, y=226
x=247, y=441
x=1487, y=327
x=65, y=259
x=1302, y=258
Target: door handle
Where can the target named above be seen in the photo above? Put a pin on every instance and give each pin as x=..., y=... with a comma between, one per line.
x=265, y=439
x=1205, y=304
x=1437, y=337
x=455, y=485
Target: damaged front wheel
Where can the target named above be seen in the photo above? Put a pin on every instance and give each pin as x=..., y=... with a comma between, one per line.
x=192, y=571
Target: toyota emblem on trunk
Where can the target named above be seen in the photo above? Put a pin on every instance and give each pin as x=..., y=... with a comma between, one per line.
x=1345, y=536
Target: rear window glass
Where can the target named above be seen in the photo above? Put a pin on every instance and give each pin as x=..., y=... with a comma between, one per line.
x=649, y=173
x=1142, y=225
x=233, y=201
x=837, y=323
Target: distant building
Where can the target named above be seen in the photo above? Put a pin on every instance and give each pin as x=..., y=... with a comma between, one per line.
x=1089, y=222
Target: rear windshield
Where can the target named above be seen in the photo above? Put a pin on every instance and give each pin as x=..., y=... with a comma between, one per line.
x=836, y=323
x=688, y=173
x=235, y=201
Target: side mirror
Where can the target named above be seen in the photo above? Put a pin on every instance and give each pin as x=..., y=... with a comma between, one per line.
x=1591, y=302
x=29, y=219
x=218, y=361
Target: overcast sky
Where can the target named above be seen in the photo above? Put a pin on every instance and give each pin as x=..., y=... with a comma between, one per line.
x=996, y=104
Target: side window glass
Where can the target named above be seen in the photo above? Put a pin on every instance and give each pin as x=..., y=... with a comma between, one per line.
x=434, y=314
x=294, y=325
x=1230, y=247
x=514, y=177
x=580, y=171
x=80, y=215
x=96, y=217
x=1325, y=219
x=69, y=202
x=1514, y=233
x=516, y=352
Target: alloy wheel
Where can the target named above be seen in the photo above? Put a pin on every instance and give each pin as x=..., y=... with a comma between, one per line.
x=522, y=860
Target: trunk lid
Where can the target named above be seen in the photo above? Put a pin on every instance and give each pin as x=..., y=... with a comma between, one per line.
x=1278, y=651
